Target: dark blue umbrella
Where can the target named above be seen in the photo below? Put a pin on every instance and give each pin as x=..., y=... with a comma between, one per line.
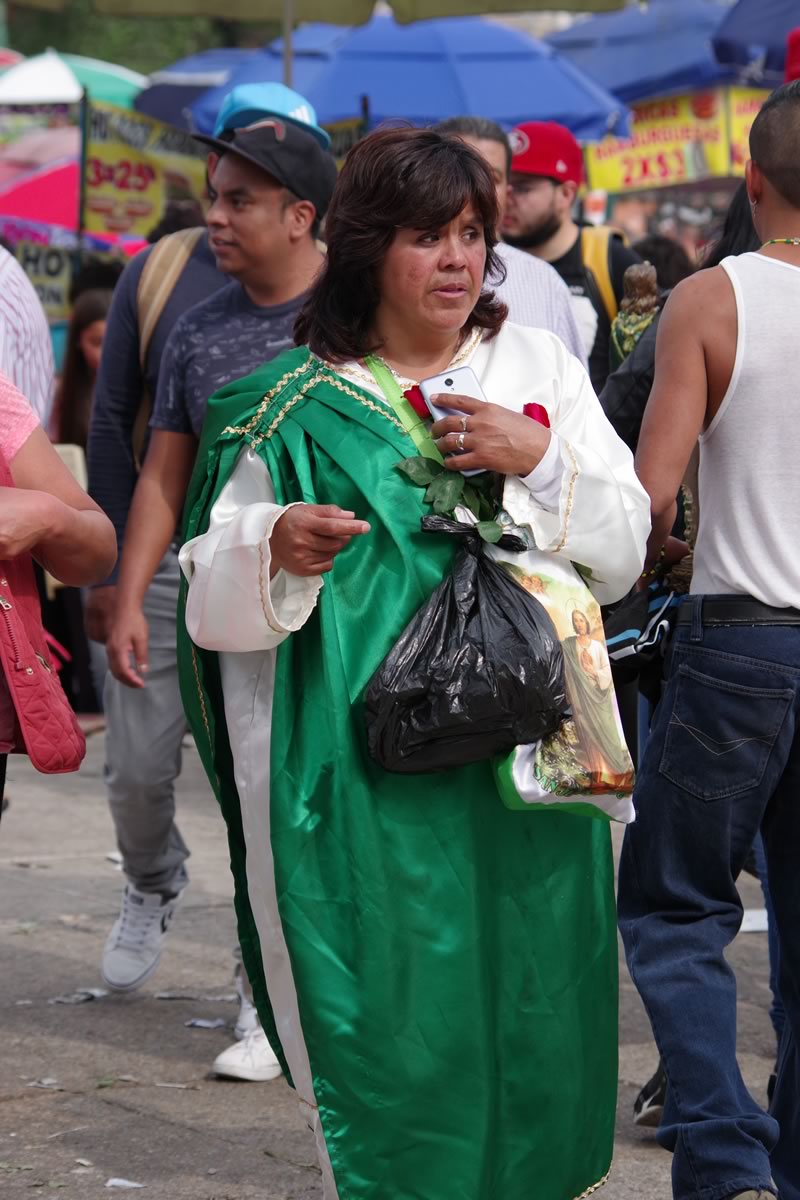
x=644, y=52
x=170, y=93
x=430, y=70
x=753, y=35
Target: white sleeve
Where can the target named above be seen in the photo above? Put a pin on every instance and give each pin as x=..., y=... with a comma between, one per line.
x=545, y=480
x=233, y=605
x=602, y=519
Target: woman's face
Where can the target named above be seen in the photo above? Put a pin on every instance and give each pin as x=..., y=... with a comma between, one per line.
x=433, y=277
x=90, y=342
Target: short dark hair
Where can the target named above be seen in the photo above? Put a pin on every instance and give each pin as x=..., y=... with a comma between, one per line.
x=669, y=258
x=775, y=141
x=480, y=128
x=393, y=179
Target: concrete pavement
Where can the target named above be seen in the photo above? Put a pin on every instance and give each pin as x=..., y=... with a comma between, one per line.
x=118, y=1087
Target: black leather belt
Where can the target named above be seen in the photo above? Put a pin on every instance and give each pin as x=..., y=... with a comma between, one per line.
x=738, y=610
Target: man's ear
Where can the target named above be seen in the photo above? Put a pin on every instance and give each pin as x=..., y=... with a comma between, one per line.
x=567, y=192
x=754, y=181
x=302, y=215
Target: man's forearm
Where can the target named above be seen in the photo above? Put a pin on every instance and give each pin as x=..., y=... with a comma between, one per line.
x=155, y=512
x=662, y=523
x=151, y=527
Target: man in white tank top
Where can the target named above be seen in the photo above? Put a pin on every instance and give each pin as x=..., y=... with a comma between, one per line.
x=723, y=759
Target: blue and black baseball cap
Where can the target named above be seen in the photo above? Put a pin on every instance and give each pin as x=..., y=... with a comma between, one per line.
x=248, y=102
x=284, y=150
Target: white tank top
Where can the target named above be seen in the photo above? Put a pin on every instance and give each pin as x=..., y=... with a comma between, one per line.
x=748, y=542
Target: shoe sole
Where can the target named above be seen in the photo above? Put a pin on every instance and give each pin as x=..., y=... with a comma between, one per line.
x=273, y=1073
x=123, y=988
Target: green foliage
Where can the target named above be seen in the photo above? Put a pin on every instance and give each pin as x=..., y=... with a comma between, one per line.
x=446, y=490
x=142, y=43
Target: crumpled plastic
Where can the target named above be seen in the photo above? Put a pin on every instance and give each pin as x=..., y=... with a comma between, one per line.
x=477, y=671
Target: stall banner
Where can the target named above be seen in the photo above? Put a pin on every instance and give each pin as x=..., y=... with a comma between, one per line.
x=743, y=104
x=134, y=167
x=680, y=139
x=49, y=269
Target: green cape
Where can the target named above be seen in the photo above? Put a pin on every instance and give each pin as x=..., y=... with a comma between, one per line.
x=455, y=962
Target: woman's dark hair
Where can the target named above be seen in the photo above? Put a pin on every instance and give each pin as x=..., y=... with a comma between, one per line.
x=737, y=236
x=393, y=179
x=669, y=258
x=73, y=405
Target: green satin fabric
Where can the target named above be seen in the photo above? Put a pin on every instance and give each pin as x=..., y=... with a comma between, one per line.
x=455, y=962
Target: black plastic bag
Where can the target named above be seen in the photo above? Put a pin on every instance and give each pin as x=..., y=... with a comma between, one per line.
x=477, y=671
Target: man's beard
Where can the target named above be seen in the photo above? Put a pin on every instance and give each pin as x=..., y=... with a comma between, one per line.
x=537, y=236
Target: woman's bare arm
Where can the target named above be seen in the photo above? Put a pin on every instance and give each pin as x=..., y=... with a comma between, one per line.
x=50, y=515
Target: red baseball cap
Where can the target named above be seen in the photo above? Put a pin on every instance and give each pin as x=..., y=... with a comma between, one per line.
x=545, y=148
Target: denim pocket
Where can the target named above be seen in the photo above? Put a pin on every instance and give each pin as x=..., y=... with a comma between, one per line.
x=720, y=734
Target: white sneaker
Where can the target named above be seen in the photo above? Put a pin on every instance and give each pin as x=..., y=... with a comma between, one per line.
x=133, y=949
x=251, y=1059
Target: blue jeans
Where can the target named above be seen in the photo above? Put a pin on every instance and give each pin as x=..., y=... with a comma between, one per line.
x=776, y=1011
x=722, y=761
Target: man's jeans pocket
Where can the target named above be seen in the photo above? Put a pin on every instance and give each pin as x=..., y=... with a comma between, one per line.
x=720, y=734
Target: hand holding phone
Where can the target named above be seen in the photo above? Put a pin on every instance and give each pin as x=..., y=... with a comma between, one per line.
x=462, y=381
x=475, y=435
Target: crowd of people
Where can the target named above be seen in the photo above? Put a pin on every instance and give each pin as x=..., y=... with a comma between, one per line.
x=244, y=394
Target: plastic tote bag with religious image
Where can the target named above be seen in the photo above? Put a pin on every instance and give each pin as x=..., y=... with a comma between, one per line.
x=583, y=766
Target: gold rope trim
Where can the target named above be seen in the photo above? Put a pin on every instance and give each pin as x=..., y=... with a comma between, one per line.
x=322, y=376
x=595, y=1187
x=261, y=591
x=273, y=425
x=562, y=543
x=201, y=697
x=370, y=404
x=268, y=398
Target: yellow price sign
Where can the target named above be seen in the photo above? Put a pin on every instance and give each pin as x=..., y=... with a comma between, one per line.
x=134, y=167
x=743, y=104
x=680, y=139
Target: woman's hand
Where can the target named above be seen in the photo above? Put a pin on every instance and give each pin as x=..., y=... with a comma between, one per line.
x=307, y=538
x=26, y=518
x=494, y=438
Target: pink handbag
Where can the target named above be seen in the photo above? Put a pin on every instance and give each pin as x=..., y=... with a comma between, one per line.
x=44, y=724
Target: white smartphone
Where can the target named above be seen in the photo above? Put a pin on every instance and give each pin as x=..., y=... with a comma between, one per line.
x=462, y=381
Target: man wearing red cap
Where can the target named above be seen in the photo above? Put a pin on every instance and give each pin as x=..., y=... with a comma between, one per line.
x=546, y=172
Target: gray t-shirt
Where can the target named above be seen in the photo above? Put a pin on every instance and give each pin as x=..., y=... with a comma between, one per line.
x=223, y=338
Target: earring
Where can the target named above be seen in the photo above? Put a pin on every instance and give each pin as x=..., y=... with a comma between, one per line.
x=753, y=207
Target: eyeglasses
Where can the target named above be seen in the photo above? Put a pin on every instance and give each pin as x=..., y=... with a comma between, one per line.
x=522, y=187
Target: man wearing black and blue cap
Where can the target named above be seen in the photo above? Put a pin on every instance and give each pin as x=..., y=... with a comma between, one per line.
x=270, y=180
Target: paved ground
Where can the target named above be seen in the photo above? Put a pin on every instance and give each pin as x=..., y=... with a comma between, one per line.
x=119, y=1087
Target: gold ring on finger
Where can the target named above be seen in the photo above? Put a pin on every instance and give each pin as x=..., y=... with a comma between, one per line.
x=460, y=443
x=464, y=424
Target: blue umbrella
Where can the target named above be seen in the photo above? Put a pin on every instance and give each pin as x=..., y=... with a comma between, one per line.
x=170, y=93
x=753, y=35
x=639, y=53
x=430, y=70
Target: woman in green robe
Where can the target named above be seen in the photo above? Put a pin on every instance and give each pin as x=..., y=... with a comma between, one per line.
x=438, y=974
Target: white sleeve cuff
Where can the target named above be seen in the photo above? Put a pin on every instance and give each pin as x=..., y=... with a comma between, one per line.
x=546, y=479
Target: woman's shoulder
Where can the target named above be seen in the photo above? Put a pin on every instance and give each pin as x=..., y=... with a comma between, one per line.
x=239, y=402
x=530, y=365
x=528, y=341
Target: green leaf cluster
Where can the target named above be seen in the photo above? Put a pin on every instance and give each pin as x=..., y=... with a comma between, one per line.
x=446, y=490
